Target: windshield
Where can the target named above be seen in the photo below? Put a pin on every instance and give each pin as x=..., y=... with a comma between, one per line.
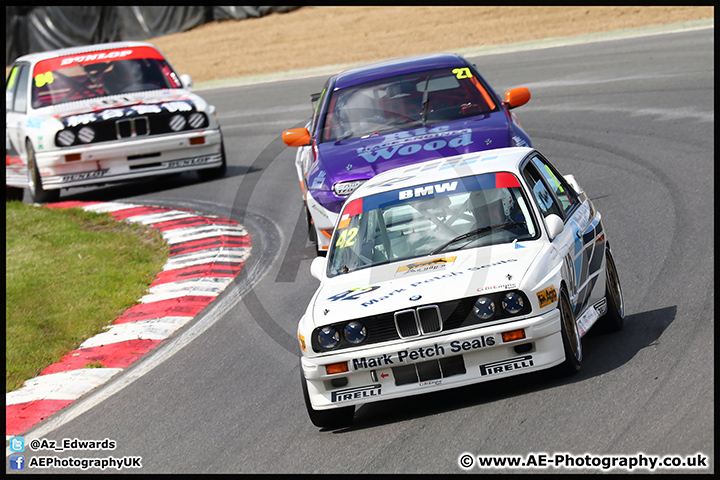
x=75, y=77
x=466, y=212
x=405, y=101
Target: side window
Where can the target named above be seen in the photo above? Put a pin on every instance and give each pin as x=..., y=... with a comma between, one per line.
x=562, y=191
x=11, y=87
x=21, y=90
x=545, y=201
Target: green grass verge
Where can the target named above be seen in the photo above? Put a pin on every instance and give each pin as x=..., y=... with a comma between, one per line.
x=68, y=274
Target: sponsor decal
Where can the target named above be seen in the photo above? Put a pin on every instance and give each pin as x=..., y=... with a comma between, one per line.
x=319, y=179
x=518, y=141
x=509, y=365
x=34, y=122
x=405, y=143
x=53, y=64
x=112, y=55
x=118, y=112
x=302, y=342
x=83, y=176
x=352, y=294
x=429, y=280
x=547, y=296
x=587, y=319
x=427, y=265
x=356, y=393
x=422, y=353
x=189, y=161
x=430, y=382
x=504, y=286
x=425, y=190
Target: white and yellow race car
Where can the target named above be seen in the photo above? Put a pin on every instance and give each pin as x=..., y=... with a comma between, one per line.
x=451, y=272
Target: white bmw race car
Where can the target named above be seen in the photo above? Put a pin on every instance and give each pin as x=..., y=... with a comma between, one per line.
x=451, y=272
x=103, y=113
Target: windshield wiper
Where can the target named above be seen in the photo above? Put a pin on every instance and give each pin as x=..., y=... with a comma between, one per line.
x=477, y=231
x=425, y=103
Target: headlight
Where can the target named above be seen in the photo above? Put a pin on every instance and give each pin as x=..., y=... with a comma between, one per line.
x=355, y=332
x=65, y=138
x=328, y=338
x=512, y=303
x=197, y=120
x=484, y=308
x=344, y=189
x=177, y=123
x=86, y=134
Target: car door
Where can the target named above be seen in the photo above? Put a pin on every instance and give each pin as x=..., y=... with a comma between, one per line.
x=16, y=105
x=581, y=243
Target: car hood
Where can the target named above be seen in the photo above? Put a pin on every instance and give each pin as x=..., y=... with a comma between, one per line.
x=365, y=157
x=423, y=281
x=91, y=109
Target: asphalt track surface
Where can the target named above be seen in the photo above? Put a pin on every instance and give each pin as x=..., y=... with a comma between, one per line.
x=632, y=119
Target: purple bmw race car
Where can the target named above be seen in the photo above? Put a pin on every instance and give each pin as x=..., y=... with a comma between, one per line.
x=378, y=117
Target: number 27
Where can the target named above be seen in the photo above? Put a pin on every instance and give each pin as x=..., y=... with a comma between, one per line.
x=461, y=73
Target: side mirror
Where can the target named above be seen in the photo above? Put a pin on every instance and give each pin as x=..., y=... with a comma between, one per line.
x=297, y=137
x=186, y=81
x=554, y=225
x=517, y=97
x=573, y=183
x=317, y=267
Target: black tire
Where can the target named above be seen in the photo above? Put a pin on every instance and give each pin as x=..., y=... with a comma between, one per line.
x=13, y=193
x=312, y=234
x=572, y=343
x=37, y=193
x=334, y=418
x=214, y=173
x=614, y=318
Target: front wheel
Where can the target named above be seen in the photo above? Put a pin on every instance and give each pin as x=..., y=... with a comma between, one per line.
x=37, y=193
x=334, y=418
x=215, y=173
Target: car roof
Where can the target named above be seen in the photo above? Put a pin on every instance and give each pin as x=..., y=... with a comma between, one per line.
x=443, y=169
x=397, y=66
x=38, y=56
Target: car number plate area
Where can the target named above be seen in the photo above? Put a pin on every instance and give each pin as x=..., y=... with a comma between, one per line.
x=429, y=371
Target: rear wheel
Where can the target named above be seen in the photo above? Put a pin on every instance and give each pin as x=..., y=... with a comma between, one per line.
x=334, y=418
x=614, y=319
x=37, y=193
x=572, y=343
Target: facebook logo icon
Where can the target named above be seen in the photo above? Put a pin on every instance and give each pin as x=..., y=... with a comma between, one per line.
x=17, y=462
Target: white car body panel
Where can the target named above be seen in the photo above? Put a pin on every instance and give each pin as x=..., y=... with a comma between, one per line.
x=540, y=268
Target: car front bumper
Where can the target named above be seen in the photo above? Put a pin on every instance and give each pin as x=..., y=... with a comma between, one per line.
x=131, y=159
x=434, y=363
